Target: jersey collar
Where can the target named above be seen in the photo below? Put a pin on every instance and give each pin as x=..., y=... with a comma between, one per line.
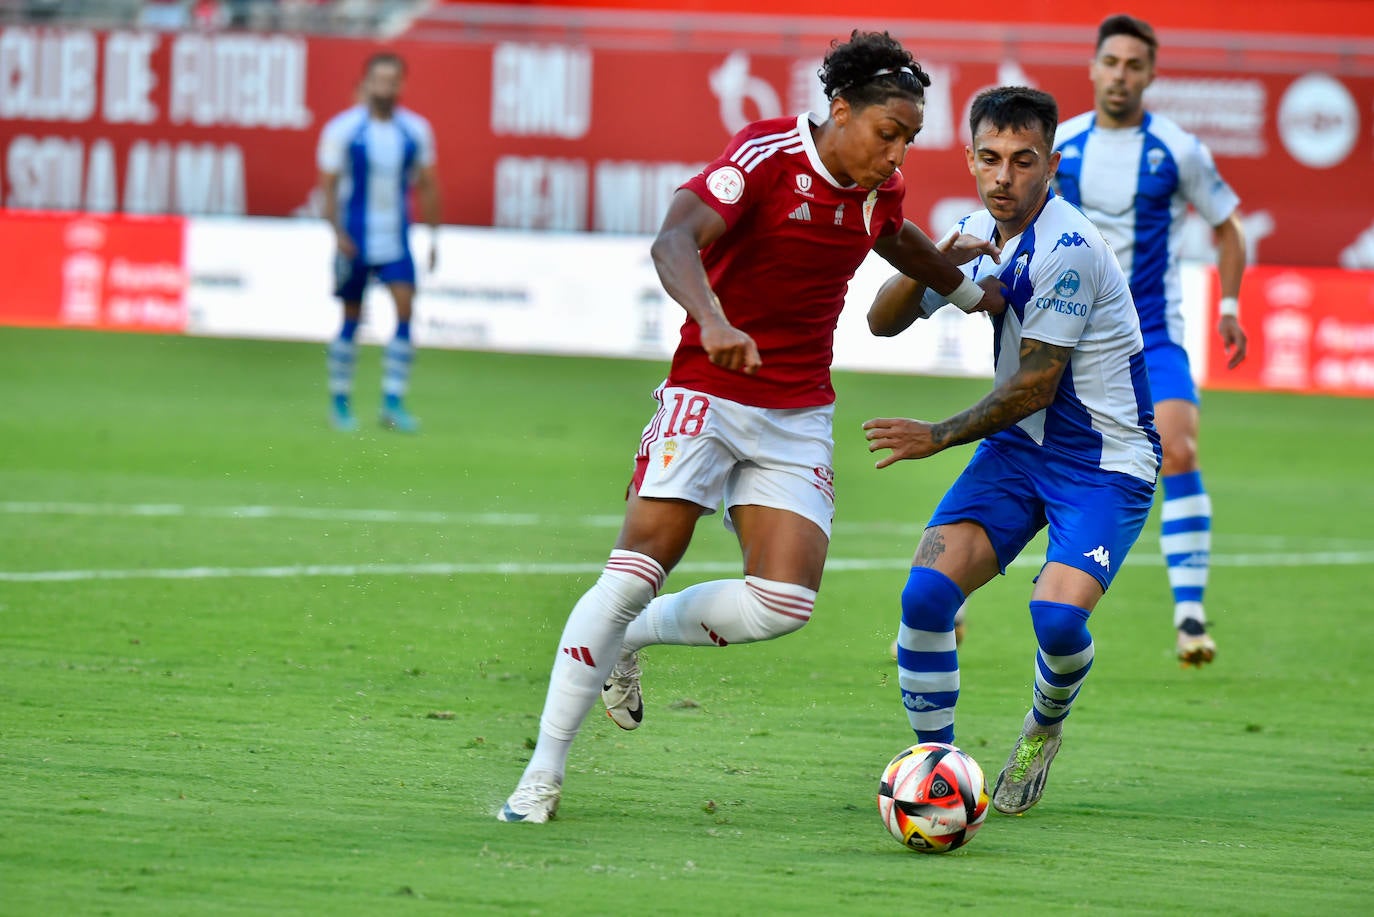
x=804, y=122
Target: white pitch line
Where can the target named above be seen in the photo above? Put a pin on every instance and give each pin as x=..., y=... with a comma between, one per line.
x=834, y=565
x=1277, y=543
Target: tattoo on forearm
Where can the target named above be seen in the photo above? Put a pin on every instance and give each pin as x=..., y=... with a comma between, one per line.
x=1031, y=389
x=931, y=548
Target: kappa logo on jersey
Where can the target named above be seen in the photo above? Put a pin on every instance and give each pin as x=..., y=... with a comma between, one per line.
x=727, y=184
x=801, y=213
x=804, y=183
x=839, y=215
x=1069, y=240
x=1154, y=158
x=1068, y=284
x=1101, y=556
x=869, y=203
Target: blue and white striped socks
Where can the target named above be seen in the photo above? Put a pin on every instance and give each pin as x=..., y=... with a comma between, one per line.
x=342, y=357
x=1185, y=540
x=396, y=363
x=927, y=661
x=1063, y=659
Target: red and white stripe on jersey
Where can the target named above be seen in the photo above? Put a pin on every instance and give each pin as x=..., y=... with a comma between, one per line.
x=753, y=152
x=792, y=606
x=636, y=564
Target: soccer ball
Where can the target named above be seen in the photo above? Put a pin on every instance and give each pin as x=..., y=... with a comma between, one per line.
x=933, y=797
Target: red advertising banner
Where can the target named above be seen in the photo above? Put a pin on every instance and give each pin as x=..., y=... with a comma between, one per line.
x=1310, y=331
x=114, y=273
x=537, y=130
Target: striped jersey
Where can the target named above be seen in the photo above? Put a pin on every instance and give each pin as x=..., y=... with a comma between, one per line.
x=794, y=238
x=376, y=162
x=1066, y=288
x=1136, y=183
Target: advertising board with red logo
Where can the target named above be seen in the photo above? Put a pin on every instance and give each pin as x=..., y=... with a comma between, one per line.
x=78, y=271
x=545, y=124
x=1310, y=330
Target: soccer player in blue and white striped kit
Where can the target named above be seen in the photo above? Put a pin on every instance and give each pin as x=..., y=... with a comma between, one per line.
x=370, y=156
x=1067, y=431
x=1134, y=173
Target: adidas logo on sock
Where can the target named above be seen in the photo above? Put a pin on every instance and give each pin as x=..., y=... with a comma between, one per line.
x=801, y=213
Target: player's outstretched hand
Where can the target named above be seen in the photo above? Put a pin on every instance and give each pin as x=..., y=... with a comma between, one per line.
x=908, y=439
x=729, y=348
x=963, y=247
x=1233, y=340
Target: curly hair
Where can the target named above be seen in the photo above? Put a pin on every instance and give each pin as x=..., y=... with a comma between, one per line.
x=869, y=69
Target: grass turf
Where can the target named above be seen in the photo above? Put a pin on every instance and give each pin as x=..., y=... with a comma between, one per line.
x=262, y=738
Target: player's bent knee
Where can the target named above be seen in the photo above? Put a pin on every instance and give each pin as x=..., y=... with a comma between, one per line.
x=773, y=609
x=930, y=600
x=1059, y=629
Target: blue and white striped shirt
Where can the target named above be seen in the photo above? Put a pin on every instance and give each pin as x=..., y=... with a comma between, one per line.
x=1135, y=184
x=376, y=162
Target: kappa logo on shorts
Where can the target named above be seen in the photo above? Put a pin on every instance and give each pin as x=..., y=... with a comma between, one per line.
x=1101, y=556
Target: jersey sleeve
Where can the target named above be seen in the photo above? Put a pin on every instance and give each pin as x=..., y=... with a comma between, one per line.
x=1063, y=290
x=333, y=147
x=427, y=154
x=1203, y=187
x=725, y=186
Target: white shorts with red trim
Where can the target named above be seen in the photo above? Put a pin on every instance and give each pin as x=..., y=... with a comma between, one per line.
x=713, y=451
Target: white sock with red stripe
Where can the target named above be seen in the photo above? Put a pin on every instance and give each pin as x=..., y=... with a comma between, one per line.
x=722, y=612
x=587, y=651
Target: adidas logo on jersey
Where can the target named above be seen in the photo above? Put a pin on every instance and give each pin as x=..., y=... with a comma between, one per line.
x=801, y=213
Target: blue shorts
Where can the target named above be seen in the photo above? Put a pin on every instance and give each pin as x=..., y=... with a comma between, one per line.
x=350, y=275
x=1170, y=375
x=1013, y=489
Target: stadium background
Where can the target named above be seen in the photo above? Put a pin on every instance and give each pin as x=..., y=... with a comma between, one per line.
x=558, y=119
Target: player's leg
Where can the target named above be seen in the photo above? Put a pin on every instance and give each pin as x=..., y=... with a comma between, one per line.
x=350, y=278
x=399, y=354
x=781, y=504
x=952, y=560
x=652, y=540
x=1186, y=513
x=1186, y=527
x=1093, y=524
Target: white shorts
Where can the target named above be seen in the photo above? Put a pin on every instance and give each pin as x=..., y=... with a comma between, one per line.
x=712, y=451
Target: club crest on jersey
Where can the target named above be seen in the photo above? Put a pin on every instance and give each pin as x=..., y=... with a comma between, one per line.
x=1154, y=158
x=803, y=183
x=869, y=203
x=1022, y=262
x=839, y=214
x=669, y=452
x=727, y=184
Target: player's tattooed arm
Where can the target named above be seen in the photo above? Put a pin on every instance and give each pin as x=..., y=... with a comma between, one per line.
x=1030, y=390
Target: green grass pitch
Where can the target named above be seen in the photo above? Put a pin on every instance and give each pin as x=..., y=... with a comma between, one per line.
x=251, y=666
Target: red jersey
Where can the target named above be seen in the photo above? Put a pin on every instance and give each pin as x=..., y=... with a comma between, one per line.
x=793, y=241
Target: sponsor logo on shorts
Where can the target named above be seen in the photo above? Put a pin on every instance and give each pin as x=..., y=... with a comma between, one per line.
x=823, y=479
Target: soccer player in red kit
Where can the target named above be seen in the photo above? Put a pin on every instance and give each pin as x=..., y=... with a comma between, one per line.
x=758, y=249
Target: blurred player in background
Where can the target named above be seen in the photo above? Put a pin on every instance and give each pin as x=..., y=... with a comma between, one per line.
x=1134, y=173
x=370, y=156
x=1067, y=435
x=758, y=249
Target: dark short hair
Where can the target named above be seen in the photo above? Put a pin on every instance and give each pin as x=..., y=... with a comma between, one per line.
x=869, y=69
x=1015, y=108
x=1122, y=24
x=385, y=57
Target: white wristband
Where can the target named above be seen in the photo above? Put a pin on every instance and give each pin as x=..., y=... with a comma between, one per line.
x=1229, y=305
x=966, y=295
